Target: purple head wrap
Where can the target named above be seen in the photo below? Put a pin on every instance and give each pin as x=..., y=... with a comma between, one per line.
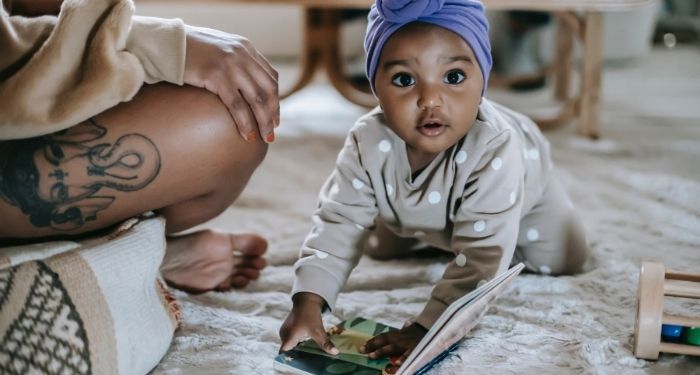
x=464, y=17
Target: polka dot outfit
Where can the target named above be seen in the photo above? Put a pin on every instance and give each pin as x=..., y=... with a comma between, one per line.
x=491, y=200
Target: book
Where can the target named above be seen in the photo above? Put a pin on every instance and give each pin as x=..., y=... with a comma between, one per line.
x=440, y=340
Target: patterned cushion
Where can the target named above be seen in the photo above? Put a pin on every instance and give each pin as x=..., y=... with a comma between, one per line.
x=95, y=306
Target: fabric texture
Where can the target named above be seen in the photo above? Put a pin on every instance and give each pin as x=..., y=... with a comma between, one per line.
x=466, y=18
x=56, y=72
x=469, y=201
x=91, y=307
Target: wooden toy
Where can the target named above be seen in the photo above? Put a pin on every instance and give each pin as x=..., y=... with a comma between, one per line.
x=654, y=284
x=692, y=336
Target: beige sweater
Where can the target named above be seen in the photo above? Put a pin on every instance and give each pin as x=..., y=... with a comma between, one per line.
x=58, y=71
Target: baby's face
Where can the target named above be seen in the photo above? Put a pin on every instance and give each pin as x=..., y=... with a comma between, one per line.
x=429, y=85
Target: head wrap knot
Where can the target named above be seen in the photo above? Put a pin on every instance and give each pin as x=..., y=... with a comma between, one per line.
x=465, y=18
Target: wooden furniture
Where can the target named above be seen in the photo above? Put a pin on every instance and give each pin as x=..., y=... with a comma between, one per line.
x=576, y=19
x=654, y=284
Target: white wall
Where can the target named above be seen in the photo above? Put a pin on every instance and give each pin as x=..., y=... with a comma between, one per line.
x=275, y=30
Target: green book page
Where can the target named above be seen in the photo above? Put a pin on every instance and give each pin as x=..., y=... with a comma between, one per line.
x=348, y=337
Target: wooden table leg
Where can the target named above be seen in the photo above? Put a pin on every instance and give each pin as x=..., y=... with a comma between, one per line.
x=312, y=51
x=333, y=62
x=563, y=60
x=591, y=72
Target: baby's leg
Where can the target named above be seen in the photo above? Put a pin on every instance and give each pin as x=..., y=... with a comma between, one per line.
x=383, y=244
x=552, y=238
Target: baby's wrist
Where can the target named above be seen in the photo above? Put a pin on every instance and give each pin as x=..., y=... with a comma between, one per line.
x=308, y=300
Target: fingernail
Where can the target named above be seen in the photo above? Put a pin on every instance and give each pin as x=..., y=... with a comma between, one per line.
x=270, y=137
x=250, y=137
x=334, y=351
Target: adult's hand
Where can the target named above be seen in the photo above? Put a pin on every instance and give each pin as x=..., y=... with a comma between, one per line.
x=229, y=66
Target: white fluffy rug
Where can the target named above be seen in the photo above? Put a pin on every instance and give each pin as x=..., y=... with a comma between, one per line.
x=638, y=191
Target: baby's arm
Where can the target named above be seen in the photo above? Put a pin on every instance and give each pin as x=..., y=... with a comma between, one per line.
x=347, y=208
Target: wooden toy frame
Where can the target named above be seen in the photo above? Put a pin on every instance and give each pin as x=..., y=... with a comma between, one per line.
x=655, y=283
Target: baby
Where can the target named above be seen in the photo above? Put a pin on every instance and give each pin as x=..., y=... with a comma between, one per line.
x=436, y=163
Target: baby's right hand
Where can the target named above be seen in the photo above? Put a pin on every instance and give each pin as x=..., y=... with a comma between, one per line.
x=304, y=322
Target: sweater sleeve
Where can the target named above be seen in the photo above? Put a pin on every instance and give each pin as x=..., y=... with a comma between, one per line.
x=486, y=225
x=56, y=72
x=347, y=210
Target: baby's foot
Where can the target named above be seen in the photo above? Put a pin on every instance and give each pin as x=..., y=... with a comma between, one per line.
x=207, y=260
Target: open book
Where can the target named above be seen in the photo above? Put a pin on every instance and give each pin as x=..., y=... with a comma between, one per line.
x=452, y=326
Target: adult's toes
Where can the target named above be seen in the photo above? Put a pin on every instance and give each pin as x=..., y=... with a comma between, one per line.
x=256, y=262
x=249, y=244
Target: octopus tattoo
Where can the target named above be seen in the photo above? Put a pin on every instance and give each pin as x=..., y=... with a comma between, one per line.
x=63, y=180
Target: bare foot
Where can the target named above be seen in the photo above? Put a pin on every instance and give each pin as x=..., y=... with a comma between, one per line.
x=208, y=260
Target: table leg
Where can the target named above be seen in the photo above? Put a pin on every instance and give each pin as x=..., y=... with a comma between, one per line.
x=312, y=50
x=333, y=62
x=563, y=60
x=591, y=75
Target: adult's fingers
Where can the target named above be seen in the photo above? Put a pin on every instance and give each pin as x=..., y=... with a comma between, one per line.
x=261, y=95
x=241, y=114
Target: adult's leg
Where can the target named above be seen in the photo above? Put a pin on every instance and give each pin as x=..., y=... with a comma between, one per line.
x=173, y=150
x=552, y=238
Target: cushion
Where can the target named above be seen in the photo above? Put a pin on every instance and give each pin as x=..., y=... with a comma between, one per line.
x=94, y=306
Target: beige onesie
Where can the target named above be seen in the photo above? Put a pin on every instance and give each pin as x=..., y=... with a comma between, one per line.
x=491, y=191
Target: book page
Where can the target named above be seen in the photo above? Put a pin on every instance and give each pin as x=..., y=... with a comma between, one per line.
x=457, y=320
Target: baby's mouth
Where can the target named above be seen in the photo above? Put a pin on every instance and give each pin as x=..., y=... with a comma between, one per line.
x=432, y=129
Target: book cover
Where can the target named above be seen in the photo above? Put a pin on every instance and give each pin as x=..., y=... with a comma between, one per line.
x=442, y=338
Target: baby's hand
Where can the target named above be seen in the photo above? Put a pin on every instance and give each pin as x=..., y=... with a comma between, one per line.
x=396, y=344
x=304, y=322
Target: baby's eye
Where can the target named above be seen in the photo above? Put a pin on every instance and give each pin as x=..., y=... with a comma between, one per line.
x=454, y=77
x=403, y=80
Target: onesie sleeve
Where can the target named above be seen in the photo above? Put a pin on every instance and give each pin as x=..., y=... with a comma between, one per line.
x=486, y=225
x=347, y=210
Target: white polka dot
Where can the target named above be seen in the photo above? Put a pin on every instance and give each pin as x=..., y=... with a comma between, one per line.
x=434, y=197
x=360, y=227
x=389, y=189
x=461, y=260
x=373, y=241
x=545, y=270
x=496, y=163
x=419, y=233
x=479, y=226
x=321, y=254
x=512, y=197
x=533, y=235
x=533, y=154
x=335, y=189
x=461, y=157
x=384, y=146
x=357, y=184
x=480, y=283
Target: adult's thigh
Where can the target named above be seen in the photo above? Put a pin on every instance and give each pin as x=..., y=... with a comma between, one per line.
x=167, y=146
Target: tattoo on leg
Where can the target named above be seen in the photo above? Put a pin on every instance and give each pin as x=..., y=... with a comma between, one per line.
x=64, y=179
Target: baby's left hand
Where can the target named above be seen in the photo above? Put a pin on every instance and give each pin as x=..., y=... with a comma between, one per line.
x=396, y=344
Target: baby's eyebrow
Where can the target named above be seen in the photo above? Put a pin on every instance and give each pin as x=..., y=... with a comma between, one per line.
x=464, y=58
x=391, y=63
